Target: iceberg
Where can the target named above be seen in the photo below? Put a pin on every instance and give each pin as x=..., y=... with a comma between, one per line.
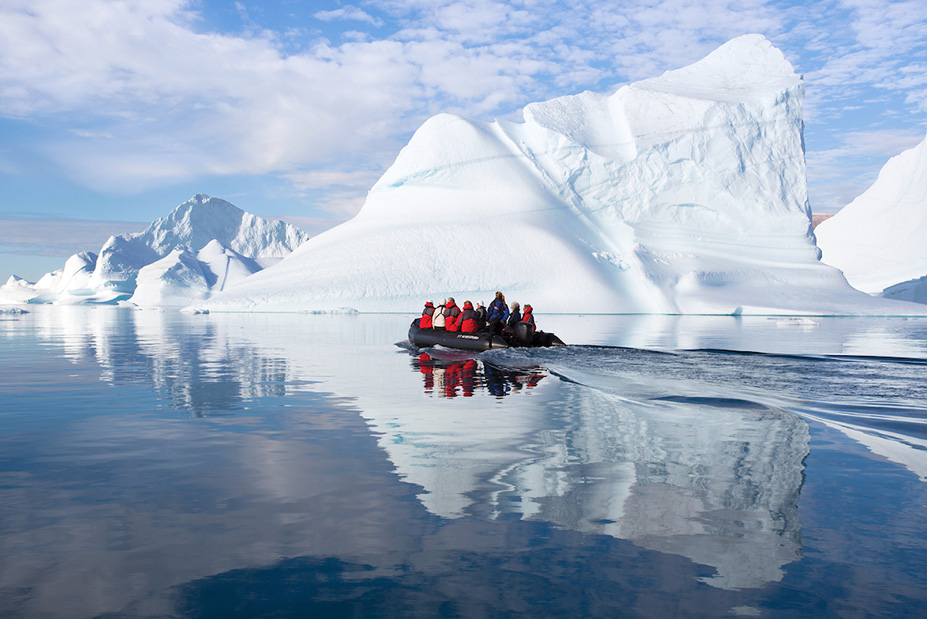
x=71, y=284
x=16, y=290
x=183, y=277
x=680, y=194
x=204, y=245
x=877, y=240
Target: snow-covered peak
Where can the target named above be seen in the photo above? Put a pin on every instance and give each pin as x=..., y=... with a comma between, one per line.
x=191, y=226
x=16, y=280
x=201, y=219
x=746, y=70
x=741, y=69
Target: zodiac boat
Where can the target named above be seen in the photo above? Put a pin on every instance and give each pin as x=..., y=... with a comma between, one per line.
x=522, y=335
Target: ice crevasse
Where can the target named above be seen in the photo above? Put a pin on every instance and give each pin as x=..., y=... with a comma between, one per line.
x=684, y=193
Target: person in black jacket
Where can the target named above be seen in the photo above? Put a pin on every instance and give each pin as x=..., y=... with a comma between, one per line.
x=514, y=315
x=480, y=316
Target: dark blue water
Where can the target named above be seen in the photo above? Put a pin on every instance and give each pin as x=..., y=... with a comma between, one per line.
x=160, y=464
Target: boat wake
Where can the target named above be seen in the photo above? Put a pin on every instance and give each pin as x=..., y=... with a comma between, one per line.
x=878, y=401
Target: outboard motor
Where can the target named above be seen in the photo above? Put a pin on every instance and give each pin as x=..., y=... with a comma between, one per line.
x=524, y=332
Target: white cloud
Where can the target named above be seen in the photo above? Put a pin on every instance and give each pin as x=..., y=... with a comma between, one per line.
x=150, y=95
x=348, y=13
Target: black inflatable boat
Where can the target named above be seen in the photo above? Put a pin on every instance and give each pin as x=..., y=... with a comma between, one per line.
x=523, y=335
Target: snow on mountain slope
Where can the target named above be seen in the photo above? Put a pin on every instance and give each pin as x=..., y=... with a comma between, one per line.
x=878, y=239
x=205, y=244
x=193, y=225
x=684, y=193
x=202, y=219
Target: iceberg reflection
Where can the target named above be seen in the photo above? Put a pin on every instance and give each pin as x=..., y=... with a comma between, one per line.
x=204, y=367
x=714, y=480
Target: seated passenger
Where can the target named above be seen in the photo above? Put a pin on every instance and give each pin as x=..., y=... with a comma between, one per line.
x=514, y=315
x=481, y=314
x=469, y=319
x=451, y=315
x=429, y=311
x=497, y=312
x=437, y=320
x=528, y=316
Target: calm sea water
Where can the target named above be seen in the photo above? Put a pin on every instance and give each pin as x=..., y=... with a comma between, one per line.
x=160, y=464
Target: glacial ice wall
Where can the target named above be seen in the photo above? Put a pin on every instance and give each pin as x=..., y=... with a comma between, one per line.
x=684, y=193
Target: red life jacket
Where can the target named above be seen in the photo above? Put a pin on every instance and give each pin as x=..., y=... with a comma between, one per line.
x=451, y=316
x=427, y=313
x=468, y=320
x=528, y=316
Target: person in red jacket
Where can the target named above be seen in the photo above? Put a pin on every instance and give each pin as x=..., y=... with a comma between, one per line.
x=528, y=316
x=469, y=319
x=429, y=311
x=451, y=315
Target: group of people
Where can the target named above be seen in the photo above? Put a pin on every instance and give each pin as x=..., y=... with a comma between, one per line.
x=497, y=318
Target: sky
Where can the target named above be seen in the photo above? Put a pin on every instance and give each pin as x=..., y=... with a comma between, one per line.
x=114, y=112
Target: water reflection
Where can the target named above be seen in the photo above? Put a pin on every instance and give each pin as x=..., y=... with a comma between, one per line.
x=311, y=450
x=203, y=367
x=716, y=480
x=448, y=378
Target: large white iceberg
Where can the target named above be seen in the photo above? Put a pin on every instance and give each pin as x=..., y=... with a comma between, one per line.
x=684, y=193
x=202, y=246
x=879, y=240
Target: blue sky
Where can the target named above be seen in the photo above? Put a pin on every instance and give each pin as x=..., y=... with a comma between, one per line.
x=112, y=113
